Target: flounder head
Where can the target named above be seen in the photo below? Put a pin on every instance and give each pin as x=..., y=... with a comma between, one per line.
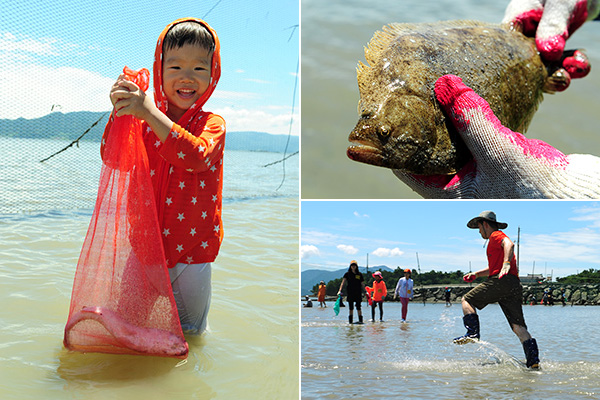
x=404, y=130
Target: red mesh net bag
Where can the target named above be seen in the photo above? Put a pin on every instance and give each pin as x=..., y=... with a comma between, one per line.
x=122, y=300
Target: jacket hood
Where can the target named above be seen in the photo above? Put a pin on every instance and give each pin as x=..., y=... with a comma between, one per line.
x=215, y=73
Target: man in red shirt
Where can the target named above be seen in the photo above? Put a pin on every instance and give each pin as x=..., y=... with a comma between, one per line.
x=502, y=286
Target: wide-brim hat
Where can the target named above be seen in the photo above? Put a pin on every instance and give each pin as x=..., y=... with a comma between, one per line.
x=408, y=270
x=377, y=274
x=486, y=216
x=353, y=262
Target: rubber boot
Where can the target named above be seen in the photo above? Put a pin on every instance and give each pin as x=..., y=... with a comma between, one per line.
x=531, y=352
x=360, y=321
x=471, y=322
x=349, y=319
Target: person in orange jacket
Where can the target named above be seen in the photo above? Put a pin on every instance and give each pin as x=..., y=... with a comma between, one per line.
x=378, y=293
x=321, y=294
x=185, y=148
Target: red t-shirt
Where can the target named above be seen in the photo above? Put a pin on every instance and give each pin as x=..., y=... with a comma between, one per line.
x=495, y=254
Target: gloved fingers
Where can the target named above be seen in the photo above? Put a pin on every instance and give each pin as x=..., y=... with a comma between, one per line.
x=550, y=21
x=460, y=185
x=525, y=14
x=576, y=63
x=559, y=20
x=497, y=150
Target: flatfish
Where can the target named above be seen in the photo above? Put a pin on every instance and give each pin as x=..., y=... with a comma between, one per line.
x=402, y=126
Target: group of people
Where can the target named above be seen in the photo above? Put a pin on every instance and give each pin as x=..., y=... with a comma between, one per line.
x=502, y=286
x=376, y=294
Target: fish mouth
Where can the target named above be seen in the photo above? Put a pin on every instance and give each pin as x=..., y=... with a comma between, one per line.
x=364, y=151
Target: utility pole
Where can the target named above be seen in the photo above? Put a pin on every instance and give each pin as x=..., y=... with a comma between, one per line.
x=367, y=263
x=518, y=245
x=420, y=280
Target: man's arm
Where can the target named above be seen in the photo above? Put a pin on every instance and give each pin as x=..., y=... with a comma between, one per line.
x=509, y=251
x=342, y=285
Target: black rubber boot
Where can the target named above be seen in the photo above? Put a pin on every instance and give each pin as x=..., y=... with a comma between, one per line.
x=349, y=319
x=531, y=352
x=360, y=321
x=471, y=322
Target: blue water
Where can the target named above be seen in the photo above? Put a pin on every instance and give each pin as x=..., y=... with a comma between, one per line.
x=70, y=179
x=383, y=360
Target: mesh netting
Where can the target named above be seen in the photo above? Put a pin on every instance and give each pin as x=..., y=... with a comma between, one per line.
x=55, y=79
x=122, y=300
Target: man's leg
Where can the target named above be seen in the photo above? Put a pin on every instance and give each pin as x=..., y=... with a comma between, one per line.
x=471, y=322
x=467, y=307
x=351, y=310
x=358, y=309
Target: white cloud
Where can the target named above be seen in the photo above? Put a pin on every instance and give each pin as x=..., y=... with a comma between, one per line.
x=308, y=250
x=359, y=215
x=348, y=249
x=258, y=120
x=261, y=81
x=12, y=43
x=383, y=252
x=30, y=91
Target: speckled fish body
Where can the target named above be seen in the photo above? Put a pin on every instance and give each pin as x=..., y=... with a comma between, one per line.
x=402, y=126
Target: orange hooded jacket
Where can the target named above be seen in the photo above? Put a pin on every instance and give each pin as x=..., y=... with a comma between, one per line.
x=378, y=291
x=187, y=169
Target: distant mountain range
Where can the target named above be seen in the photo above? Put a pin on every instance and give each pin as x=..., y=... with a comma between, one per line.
x=70, y=126
x=311, y=277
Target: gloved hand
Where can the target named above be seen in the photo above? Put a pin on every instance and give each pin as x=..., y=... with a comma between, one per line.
x=505, y=164
x=470, y=277
x=550, y=21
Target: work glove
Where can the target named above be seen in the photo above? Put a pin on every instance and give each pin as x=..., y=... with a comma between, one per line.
x=550, y=21
x=505, y=164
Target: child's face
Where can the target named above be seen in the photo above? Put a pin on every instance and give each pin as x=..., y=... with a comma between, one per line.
x=186, y=76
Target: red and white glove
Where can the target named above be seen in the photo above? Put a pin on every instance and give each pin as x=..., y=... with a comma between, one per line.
x=551, y=21
x=505, y=164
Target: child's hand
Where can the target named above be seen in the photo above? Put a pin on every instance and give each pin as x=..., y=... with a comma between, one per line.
x=129, y=99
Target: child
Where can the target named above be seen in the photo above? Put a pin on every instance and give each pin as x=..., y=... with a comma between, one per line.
x=379, y=291
x=404, y=289
x=321, y=294
x=185, y=155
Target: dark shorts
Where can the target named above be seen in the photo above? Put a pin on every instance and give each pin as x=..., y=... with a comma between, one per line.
x=507, y=292
x=353, y=299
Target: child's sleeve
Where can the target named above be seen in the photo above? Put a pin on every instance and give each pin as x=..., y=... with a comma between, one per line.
x=197, y=152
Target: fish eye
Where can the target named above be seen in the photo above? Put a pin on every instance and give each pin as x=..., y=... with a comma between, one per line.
x=384, y=131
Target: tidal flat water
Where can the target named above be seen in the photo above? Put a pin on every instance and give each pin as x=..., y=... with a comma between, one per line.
x=417, y=359
x=251, y=348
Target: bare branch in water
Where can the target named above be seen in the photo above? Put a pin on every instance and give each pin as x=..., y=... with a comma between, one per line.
x=282, y=160
x=76, y=141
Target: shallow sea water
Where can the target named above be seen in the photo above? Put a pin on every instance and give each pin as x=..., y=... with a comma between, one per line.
x=250, y=351
x=418, y=360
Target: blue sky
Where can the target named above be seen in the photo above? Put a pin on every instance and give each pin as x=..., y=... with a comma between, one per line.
x=562, y=237
x=67, y=54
